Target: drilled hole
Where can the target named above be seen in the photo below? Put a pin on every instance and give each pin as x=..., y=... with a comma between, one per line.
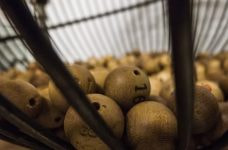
x=58, y=119
x=96, y=105
x=136, y=72
x=32, y=102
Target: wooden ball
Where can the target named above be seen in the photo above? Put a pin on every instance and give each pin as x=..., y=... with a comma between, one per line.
x=206, y=112
x=23, y=95
x=151, y=125
x=127, y=85
x=80, y=134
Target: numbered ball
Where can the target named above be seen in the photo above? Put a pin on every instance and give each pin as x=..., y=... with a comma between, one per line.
x=127, y=85
x=81, y=135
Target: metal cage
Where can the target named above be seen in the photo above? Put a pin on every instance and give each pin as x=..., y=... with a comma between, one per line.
x=182, y=27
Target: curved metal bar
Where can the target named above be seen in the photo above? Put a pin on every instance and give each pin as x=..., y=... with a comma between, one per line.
x=13, y=115
x=46, y=56
x=182, y=57
x=10, y=134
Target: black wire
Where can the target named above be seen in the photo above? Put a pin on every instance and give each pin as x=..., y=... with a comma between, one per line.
x=13, y=115
x=11, y=134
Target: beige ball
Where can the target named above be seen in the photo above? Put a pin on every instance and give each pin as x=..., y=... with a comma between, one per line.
x=84, y=138
x=214, y=89
x=127, y=85
x=151, y=125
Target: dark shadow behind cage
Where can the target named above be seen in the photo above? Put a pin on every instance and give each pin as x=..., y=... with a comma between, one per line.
x=183, y=27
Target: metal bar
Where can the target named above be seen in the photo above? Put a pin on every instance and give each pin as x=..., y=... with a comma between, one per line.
x=11, y=134
x=182, y=57
x=46, y=56
x=13, y=115
x=85, y=19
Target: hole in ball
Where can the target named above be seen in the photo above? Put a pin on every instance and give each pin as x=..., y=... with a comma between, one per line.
x=32, y=102
x=96, y=105
x=57, y=119
x=136, y=72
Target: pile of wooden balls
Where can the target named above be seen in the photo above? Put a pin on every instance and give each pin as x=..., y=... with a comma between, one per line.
x=135, y=95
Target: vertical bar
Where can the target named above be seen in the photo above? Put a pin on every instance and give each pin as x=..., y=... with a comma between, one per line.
x=182, y=57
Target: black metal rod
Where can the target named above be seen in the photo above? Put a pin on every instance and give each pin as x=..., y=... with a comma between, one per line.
x=182, y=57
x=46, y=56
x=11, y=134
x=13, y=115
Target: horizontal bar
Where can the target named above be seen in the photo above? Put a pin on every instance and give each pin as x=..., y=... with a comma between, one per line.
x=77, y=21
x=45, y=54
